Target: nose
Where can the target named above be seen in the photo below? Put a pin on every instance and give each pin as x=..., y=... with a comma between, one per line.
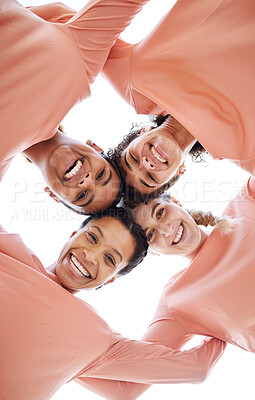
x=91, y=256
x=86, y=181
x=166, y=230
x=147, y=163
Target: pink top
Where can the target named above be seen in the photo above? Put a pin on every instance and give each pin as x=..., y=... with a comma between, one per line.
x=49, y=337
x=46, y=68
x=214, y=296
x=198, y=65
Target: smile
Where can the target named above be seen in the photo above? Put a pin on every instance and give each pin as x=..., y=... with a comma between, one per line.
x=78, y=268
x=73, y=169
x=157, y=155
x=178, y=235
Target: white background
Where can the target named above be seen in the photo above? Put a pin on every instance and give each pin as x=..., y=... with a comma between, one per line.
x=128, y=304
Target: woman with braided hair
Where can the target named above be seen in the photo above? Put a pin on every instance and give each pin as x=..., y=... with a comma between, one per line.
x=214, y=295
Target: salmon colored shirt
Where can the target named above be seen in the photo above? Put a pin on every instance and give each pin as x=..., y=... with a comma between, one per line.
x=214, y=296
x=198, y=65
x=49, y=337
x=46, y=68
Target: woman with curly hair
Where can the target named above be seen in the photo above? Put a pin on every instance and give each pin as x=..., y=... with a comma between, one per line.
x=198, y=65
x=46, y=68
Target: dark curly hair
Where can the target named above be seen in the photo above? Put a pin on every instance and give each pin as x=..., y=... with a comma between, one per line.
x=131, y=197
x=135, y=230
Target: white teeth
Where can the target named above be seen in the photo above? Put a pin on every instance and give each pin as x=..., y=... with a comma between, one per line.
x=74, y=170
x=178, y=235
x=157, y=155
x=77, y=267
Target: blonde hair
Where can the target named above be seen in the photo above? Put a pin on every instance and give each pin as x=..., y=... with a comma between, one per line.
x=224, y=223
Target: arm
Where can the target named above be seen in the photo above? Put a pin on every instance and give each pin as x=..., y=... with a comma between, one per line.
x=94, y=28
x=53, y=12
x=97, y=26
x=164, y=331
x=116, y=68
x=119, y=72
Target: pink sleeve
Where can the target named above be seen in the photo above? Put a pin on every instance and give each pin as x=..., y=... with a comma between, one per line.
x=117, y=71
x=97, y=26
x=152, y=363
x=53, y=12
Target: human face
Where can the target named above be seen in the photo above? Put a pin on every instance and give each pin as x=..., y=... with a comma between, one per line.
x=95, y=254
x=154, y=157
x=169, y=228
x=81, y=178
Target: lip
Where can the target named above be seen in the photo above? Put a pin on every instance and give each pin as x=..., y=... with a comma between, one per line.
x=184, y=234
x=160, y=152
x=72, y=270
x=154, y=159
x=68, y=166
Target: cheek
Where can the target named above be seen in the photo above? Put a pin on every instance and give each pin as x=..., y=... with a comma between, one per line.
x=160, y=246
x=165, y=176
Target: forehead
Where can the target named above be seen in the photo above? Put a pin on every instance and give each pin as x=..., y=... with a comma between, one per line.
x=114, y=235
x=145, y=212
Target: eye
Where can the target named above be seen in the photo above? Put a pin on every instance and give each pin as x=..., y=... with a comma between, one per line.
x=100, y=174
x=110, y=259
x=82, y=195
x=92, y=237
x=159, y=213
x=150, y=236
x=152, y=178
x=133, y=158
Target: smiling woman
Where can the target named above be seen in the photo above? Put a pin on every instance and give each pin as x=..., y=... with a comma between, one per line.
x=79, y=175
x=107, y=245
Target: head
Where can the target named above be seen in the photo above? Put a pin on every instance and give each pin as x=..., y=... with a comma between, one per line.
x=107, y=245
x=168, y=227
x=151, y=159
x=79, y=175
x=172, y=230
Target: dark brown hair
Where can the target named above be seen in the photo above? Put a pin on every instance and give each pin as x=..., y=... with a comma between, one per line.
x=132, y=197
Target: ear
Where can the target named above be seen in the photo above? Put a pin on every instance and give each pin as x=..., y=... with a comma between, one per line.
x=51, y=194
x=175, y=201
x=153, y=253
x=146, y=129
x=110, y=281
x=74, y=233
x=181, y=170
x=94, y=146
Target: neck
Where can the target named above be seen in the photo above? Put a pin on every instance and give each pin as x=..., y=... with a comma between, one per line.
x=182, y=136
x=52, y=269
x=204, y=236
x=40, y=152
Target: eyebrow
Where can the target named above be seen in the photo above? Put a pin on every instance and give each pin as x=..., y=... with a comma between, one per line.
x=146, y=184
x=153, y=209
x=127, y=164
x=108, y=179
x=101, y=233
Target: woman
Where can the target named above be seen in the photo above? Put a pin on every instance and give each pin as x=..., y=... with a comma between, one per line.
x=197, y=65
x=214, y=295
x=49, y=337
x=45, y=70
